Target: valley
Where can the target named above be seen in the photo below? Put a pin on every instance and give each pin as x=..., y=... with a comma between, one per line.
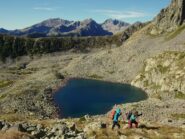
x=150, y=56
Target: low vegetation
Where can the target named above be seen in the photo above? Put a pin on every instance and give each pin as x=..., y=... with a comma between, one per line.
x=95, y=76
x=180, y=95
x=178, y=116
x=145, y=131
x=162, y=69
x=111, y=72
x=14, y=135
x=59, y=75
x=13, y=117
x=173, y=34
x=5, y=83
x=16, y=46
x=157, y=96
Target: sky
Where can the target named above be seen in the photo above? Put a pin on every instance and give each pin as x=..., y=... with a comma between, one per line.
x=18, y=14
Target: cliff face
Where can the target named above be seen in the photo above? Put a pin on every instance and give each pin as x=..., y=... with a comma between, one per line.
x=163, y=76
x=170, y=18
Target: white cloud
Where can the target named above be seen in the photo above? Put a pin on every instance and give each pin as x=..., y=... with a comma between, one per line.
x=121, y=14
x=44, y=8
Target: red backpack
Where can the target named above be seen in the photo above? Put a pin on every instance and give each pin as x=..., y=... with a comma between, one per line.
x=113, y=112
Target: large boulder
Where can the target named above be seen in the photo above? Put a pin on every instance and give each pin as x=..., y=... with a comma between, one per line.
x=18, y=127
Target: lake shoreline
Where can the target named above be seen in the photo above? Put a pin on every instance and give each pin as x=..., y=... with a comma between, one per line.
x=66, y=80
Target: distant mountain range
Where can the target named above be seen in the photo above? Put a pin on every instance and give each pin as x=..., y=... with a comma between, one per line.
x=60, y=27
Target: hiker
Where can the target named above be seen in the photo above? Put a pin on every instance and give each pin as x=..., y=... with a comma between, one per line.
x=132, y=118
x=113, y=112
x=116, y=117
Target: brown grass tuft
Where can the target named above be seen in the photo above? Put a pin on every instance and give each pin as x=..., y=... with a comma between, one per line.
x=10, y=134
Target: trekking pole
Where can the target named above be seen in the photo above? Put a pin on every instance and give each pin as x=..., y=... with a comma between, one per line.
x=124, y=110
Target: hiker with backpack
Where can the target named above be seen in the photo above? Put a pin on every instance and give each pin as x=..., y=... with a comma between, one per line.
x=133, y=118
x=115, y=118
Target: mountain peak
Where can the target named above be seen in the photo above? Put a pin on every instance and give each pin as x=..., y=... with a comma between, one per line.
x=88, y=21
x=53, y=22
x=2, y=30
x=171, y=17
x=61, y=27
x=115, y=22
x=114, y=25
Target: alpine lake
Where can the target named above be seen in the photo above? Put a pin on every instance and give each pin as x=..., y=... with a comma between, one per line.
x=83, y=96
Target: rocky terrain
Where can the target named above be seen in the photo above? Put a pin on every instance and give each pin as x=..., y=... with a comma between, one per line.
x=151, y=61
x=163, y=75
x=85, y=128
x=163, y=79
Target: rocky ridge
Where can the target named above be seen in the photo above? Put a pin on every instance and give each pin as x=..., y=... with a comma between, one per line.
x=170, y=18
x=60, y=27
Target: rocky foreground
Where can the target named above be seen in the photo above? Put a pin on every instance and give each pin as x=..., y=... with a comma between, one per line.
x=85, y=128
x=33, y=130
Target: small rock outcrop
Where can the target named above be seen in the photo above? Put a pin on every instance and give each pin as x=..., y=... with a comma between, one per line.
x=170, y=18
x=131, y=30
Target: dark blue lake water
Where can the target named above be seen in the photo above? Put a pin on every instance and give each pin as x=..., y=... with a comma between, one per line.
x=80, y=97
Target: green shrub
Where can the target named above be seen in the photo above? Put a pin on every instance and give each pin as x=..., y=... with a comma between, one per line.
x=95, y=76
x=146, y=83
x=178, y=116
x=59, y=76
x=180, y=95
x=2, y=96
x=5, y=83
x=181, y=56
x=155, y=86
x=175, y=33
x=157, y=96
x=111, y=72
x=162, y=69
